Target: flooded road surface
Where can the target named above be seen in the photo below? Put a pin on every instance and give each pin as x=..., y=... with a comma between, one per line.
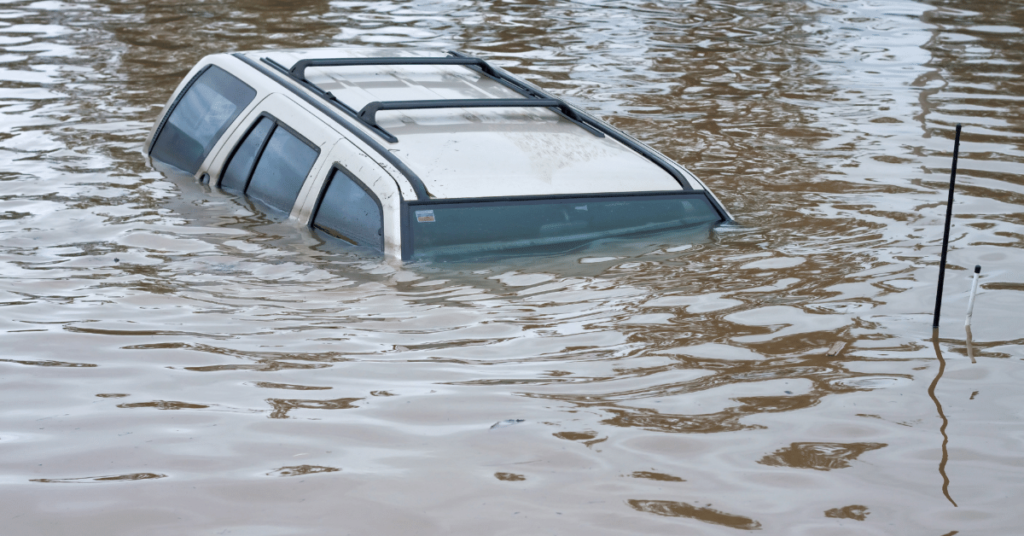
x=174, y=362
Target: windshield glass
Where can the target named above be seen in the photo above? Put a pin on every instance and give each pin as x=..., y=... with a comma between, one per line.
x=199, y=119
x=545, y=226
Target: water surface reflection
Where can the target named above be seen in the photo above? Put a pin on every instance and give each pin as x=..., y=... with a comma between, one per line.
x=185, y=346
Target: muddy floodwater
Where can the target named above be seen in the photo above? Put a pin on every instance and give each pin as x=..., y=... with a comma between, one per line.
x=175, y=361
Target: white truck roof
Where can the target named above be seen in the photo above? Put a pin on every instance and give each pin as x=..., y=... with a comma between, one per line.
x=478, y=152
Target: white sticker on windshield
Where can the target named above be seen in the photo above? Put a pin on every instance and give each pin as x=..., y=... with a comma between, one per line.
x=425, y=216
x=581, y=207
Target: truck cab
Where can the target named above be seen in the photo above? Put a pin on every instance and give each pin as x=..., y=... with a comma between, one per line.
x=418, y=154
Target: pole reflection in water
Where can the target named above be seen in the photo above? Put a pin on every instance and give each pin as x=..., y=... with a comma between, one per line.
x=942, y=415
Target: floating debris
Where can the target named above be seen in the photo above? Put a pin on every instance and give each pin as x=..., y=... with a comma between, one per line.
x=164, y=405
x=300, y=470
x=700, y=513
x=283, y=406
x=587, y=438
x=819, y=456
x=96, y=479
x=47, y=363
x=854, y=511
x=506, y=422
x=651, y=475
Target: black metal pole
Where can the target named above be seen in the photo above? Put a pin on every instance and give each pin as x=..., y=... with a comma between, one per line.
x=945, y=234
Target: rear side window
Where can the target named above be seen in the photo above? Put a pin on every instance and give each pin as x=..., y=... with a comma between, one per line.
x=350, y=212
x=270, y=164
x=200, y=117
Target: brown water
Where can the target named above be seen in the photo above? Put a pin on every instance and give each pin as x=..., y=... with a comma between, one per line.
x=173, y=362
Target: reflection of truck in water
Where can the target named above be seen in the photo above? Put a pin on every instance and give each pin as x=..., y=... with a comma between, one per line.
x=419, y=154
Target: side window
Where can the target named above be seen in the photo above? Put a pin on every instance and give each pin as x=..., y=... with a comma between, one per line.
x=349, y=212
x=270, y=165
x=281, y=170
x=200, y=117
x=239, y=169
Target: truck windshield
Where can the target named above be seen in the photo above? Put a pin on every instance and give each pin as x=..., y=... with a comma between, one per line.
x=545, y=226
x=200, y=117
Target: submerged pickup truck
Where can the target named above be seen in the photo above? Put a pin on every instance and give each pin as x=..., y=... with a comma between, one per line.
x=419, y=154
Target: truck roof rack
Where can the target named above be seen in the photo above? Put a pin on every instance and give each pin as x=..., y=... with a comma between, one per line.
x=532, y=98
x=367, y=115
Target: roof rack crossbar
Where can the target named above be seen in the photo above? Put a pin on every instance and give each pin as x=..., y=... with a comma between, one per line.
x=299, y=69
x=298, y=73
x=369, y=112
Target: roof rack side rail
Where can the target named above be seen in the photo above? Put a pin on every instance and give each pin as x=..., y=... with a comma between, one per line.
x=369, y=112
x=414, y=180
x=299, y=69
x=592, y=123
